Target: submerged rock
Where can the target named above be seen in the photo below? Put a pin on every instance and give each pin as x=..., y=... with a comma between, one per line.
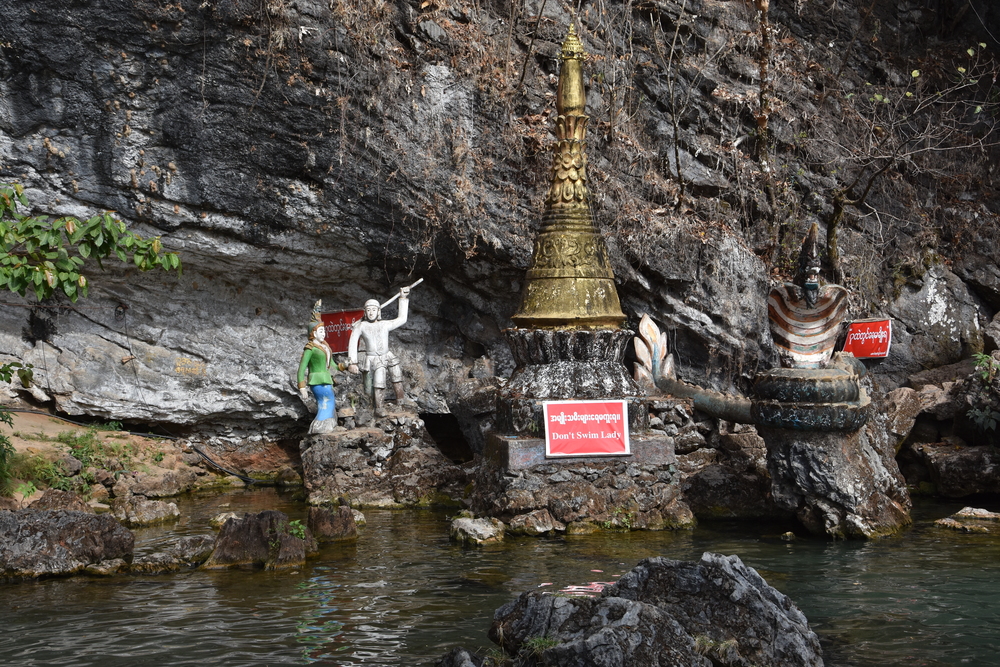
x=333, y=524
x=35, y=543
x=664, y=612
x=971, y=520
x=260, y=540
x=220, y=519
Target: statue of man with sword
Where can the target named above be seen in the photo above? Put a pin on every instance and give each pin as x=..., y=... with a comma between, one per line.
x=379, y=360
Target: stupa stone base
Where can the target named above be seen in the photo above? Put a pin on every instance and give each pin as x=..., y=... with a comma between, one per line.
x=394, y=463
x=566, y=364
x=638, y=492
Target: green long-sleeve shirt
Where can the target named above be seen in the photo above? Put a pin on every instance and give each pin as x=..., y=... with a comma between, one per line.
x=314, y=360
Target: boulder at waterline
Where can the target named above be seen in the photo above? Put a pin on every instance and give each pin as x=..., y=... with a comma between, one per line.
x=265, y=540
x=539, y=522
x=844, y=485
x=729, y=481
x=460, y=657
x=140, y=511
x=958, y=470
x=468, y=530
x=664, y=612
x=41, y=543
x=193, y=549
x=186, y=552
x=837, y=484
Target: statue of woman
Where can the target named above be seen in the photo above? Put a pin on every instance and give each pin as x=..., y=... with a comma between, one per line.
x=317, y=358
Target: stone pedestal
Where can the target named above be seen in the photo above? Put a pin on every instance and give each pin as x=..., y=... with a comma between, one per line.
x=639, y=491
x=829, y=452
x=393, y=464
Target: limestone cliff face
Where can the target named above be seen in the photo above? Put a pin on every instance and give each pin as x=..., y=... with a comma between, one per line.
x=300, y=149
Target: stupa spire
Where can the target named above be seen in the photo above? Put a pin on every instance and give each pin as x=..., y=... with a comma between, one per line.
x=570, y=283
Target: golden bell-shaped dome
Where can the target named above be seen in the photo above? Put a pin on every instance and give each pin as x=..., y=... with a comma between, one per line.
x=570, y=283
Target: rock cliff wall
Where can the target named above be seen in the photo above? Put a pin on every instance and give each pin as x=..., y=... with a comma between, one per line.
x=300, y=149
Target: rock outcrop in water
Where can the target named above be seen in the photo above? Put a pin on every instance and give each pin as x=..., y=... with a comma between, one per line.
x=333, y=524
x=840, y=485
x=663, y=613
x=60, y=542
x=267, y=540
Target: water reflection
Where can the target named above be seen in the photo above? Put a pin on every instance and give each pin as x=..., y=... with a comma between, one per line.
x=404, y=594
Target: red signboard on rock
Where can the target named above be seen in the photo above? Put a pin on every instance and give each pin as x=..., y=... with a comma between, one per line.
x=338, y=327
x=868, y=339
x=586, y=428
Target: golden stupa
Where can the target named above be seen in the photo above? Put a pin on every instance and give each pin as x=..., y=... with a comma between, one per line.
x=570, y=284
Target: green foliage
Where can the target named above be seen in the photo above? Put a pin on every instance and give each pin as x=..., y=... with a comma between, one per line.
x=495, y=657
x=6, y=448
x=25, y=489
x=39, y=471
x=537, y=645
x=110, y=426
x=24, y=372
x=296, y=529
x=93, y=451
x=986, y=367
x=984, y=412
x=621, y=520
x=985, y=418
x=6, y=454
x=46, y=255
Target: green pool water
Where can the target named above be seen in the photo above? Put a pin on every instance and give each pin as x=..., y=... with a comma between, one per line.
x=404, y=594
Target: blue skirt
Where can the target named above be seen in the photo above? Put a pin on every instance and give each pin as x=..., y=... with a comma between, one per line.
x=326, y=403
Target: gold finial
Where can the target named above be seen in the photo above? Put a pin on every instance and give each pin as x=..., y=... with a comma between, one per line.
x=572, y=46
x=570, y=282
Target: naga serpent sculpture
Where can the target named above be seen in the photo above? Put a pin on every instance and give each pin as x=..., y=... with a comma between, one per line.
x=815, y=390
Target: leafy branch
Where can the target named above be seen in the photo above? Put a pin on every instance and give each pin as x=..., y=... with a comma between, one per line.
x=47, y=255
x=903, y=127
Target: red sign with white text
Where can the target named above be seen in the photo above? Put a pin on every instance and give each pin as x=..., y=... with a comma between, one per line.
x=338, y=327
x=586, y=428
x=867, y=339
